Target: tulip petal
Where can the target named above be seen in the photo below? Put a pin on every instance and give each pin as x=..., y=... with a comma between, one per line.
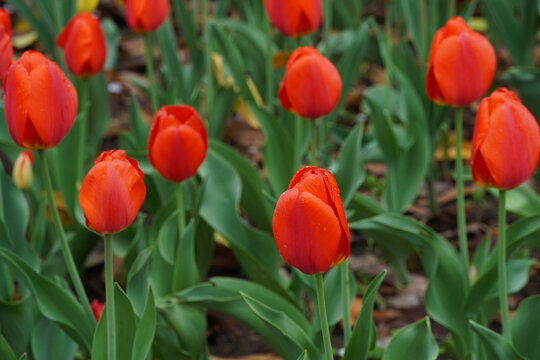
x=17, y=102
x=306, y=231
x=511, y=146
x=54, y=103
x=464, y=67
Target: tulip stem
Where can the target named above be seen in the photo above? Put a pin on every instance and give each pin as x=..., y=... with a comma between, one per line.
x=346, y=306
x=313, y=142
x=109, y=294
x=461, y=221
x=501, y=268
x=68, y=258
x=269, y=67
x=208, y=60
x=298, y=140
x=81, y=145
x=150, y=71
x=323, y=317
x=180, y=208
x=327, y=24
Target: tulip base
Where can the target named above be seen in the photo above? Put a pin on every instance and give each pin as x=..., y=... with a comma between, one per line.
x=109, y=294
x=68, y=257
x=323, y=317
x=501, y=267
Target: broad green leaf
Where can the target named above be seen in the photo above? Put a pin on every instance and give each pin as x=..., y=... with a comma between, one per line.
x=189, y=323
x=137, y=285
x=351, y=173
x=303, y=356
x=496, y=346
x=145, y=332
x=53, y=301
x=112, y=38
x=526, y=329
x=49, y=342
x=186, y=272
x=14, y=212
x=16, y=318
x=283, y=323
x=413, y=342
x=5, y=350
x=362, y=335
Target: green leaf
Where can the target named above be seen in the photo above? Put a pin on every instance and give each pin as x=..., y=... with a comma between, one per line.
x=189, y=323
x=6, y=352
x=14, y=212
x=526, y=328
x=16, y=318
x=360, y=342
x=49, y=342
x=186, y=272
x=496, y=346
x=283, y=323
x=112, y=38
x=351, y=172
x=53, y=301
x=146, y=329
x=303, y=356
x=413, y=342
x=137, y=285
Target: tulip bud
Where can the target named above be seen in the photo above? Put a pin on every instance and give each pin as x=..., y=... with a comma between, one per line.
x=506, y=142
x=112, y=192
x=311, y=86
x=309, y=223
x=84, y=46
x=6, y=49
x=461, y=65
x=40, y=102
x=177, y=143
x=22, y=170
x=294, y=18
x=146, y=15
x=97, y=309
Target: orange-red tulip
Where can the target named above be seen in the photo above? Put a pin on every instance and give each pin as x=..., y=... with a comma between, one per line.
x=22, y=173
x=146, y=15
x=311, y=86
x=84, y=46
x=177, y=143
x=112, y=192
x=97, y=309
x=461, y=65
x=6, y=49
x=40, y=102
x=309, y=222
x=506, y=142
x=294, y=18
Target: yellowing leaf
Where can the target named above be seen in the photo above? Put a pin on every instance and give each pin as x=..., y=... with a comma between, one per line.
x=87, y=5
x=280, y=59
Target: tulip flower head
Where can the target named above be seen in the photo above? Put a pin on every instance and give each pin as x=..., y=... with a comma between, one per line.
x=311, y=86
x=22, y=174
x=506, y=142
x=97, y=309
x=112, y=192
x=145, y=16
x=84, y=46
x=309, y=223
x=461, y=65
x=294, y=17
x=6, y=49
x=177, y=143
x=40, y=102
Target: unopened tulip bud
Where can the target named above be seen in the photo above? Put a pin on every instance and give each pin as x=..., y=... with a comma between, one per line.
x=22, y=170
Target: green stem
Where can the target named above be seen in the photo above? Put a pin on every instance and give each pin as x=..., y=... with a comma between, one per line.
x=314, y=142
x=451, y=8
x=432, y=193
x=269, y=67
x=150, y=71
x=81, y=144
x=327, y=24
x=423, y=29
x=68, y=258
x=298, y=140
x=180, y=207
x=445, y=135
x=346, y=306
x=462, y=229
x=109, y=294
x=501, y=268
x=208, y=60
x=322, y=316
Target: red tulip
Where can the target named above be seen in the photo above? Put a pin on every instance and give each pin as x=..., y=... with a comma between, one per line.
x=309, y=222
x=461, y=65
x=146, y=15
x=294, y=18
x=112, y=192
x=311, y=86
x=97, y=309
x=506, y=142
x=84, y=46
x=6, y=49
x=22, y=173
x=40, y=102
x=177, y=143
